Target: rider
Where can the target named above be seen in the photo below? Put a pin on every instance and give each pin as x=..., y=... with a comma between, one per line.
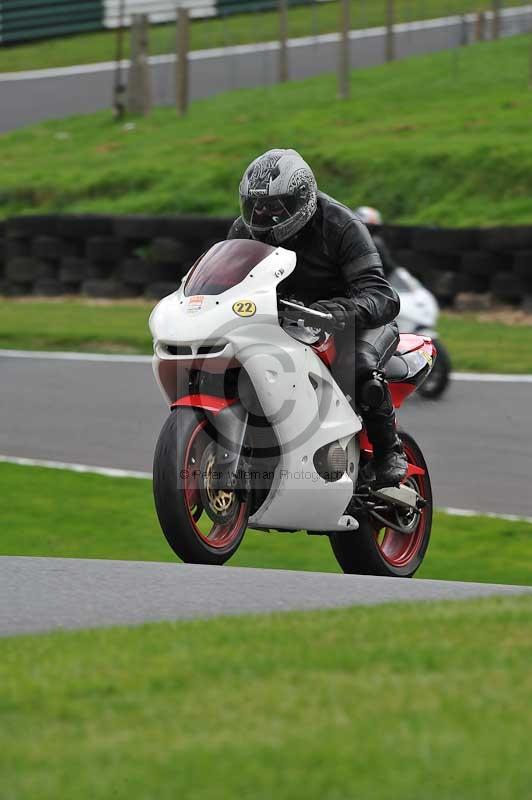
x=338, y=272
x=372, y=217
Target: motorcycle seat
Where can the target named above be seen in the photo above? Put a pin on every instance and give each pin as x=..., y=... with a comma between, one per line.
x=397, y=369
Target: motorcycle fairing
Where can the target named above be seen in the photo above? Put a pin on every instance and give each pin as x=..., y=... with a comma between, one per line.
x=299, y=397
x=409, y=342
x=408, y=368
x=315, y=413
x=327, y=351
x=207, y=402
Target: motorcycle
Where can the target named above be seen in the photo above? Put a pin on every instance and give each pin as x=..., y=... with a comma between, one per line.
x=261, y=436
x=419, y=313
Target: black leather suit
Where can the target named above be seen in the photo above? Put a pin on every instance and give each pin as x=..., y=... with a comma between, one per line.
x=337, y=258
x=388, y=261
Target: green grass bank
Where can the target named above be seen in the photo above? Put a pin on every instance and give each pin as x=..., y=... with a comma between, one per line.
x=224, y=32
x=425, y=140
x=474, y=343
x=410, y=702
x=57, y=513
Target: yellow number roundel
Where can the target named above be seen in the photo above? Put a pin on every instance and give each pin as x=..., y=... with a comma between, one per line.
x=244, y=308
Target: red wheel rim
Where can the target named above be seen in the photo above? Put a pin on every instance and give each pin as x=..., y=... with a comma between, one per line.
x=400, y=549
x=213, y=534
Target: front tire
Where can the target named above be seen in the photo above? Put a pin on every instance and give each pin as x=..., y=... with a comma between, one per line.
x=375, y=550
x=201, y=526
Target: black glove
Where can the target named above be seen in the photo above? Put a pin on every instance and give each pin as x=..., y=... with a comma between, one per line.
x=334, y=307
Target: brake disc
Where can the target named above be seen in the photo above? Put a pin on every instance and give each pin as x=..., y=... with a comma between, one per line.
x=220, y=505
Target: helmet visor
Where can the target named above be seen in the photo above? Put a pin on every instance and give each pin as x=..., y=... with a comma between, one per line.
x=267, y=211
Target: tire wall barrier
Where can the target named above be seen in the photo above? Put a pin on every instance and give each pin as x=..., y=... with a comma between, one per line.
x=146, y=256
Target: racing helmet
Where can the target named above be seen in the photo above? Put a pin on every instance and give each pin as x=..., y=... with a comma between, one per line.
x=278, y=196
x=369, y=215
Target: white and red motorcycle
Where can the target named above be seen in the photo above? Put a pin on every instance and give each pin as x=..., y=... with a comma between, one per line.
x=261, y=436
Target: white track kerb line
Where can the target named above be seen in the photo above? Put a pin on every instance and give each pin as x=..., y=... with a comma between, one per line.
x=111, y=472
x=43, y=355
x=107, y=472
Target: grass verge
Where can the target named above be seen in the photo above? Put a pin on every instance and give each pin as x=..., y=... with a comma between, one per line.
x=439, y=139
x=75, y=325
x=474, y=343
x=409, y=702
x=222, y=32
x=63, y=514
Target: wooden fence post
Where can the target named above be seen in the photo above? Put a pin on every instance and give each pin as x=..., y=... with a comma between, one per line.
x=343, y=60
x=481, y=26
x=530, y=67
x=390, y=33
x=119, y=89
x=138, y=85
x=183, y=45
x=496, y=29
x=283, y=41
x=464, y=35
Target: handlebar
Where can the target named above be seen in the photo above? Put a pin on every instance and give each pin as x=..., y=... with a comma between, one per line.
x=309, y=316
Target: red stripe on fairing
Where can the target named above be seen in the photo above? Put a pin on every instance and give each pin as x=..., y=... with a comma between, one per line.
x=400, y=391
x=209, y=402
x=326, y=351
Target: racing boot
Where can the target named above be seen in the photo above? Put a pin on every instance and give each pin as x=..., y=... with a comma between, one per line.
x=389, y=460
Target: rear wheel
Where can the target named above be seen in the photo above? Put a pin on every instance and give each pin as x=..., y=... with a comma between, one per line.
x=376, y=549
x=202, y=524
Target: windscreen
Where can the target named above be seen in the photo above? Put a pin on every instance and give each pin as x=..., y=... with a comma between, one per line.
x=225, y=265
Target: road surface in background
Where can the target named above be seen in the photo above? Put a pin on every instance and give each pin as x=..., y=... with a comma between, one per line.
x=477, y=438
x=28, y=97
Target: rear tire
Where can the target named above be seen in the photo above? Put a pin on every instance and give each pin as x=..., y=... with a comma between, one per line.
x=183, y=457
x=438, y=379
x=383, y=551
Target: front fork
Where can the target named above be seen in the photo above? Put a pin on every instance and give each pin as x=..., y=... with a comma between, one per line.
x=230, y=425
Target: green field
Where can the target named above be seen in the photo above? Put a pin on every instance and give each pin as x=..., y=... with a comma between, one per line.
x=422, y=139
x=474, y=344
x=75, y=325
x=406, y=702
x=373, y=703
x=238, y=29
x=59, y=513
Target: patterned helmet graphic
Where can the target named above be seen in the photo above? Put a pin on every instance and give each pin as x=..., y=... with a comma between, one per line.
x=278, y=195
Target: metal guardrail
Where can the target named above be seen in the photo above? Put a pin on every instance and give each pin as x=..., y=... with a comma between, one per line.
x=120, y=12
x=27, y=20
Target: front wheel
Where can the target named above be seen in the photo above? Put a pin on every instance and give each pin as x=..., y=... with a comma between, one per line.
x=378, y=550
x=202, y=524
x=438, y=379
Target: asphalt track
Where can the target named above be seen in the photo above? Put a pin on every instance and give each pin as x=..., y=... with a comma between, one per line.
x=41, y=594
x=49, y=94
x=477, y=438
